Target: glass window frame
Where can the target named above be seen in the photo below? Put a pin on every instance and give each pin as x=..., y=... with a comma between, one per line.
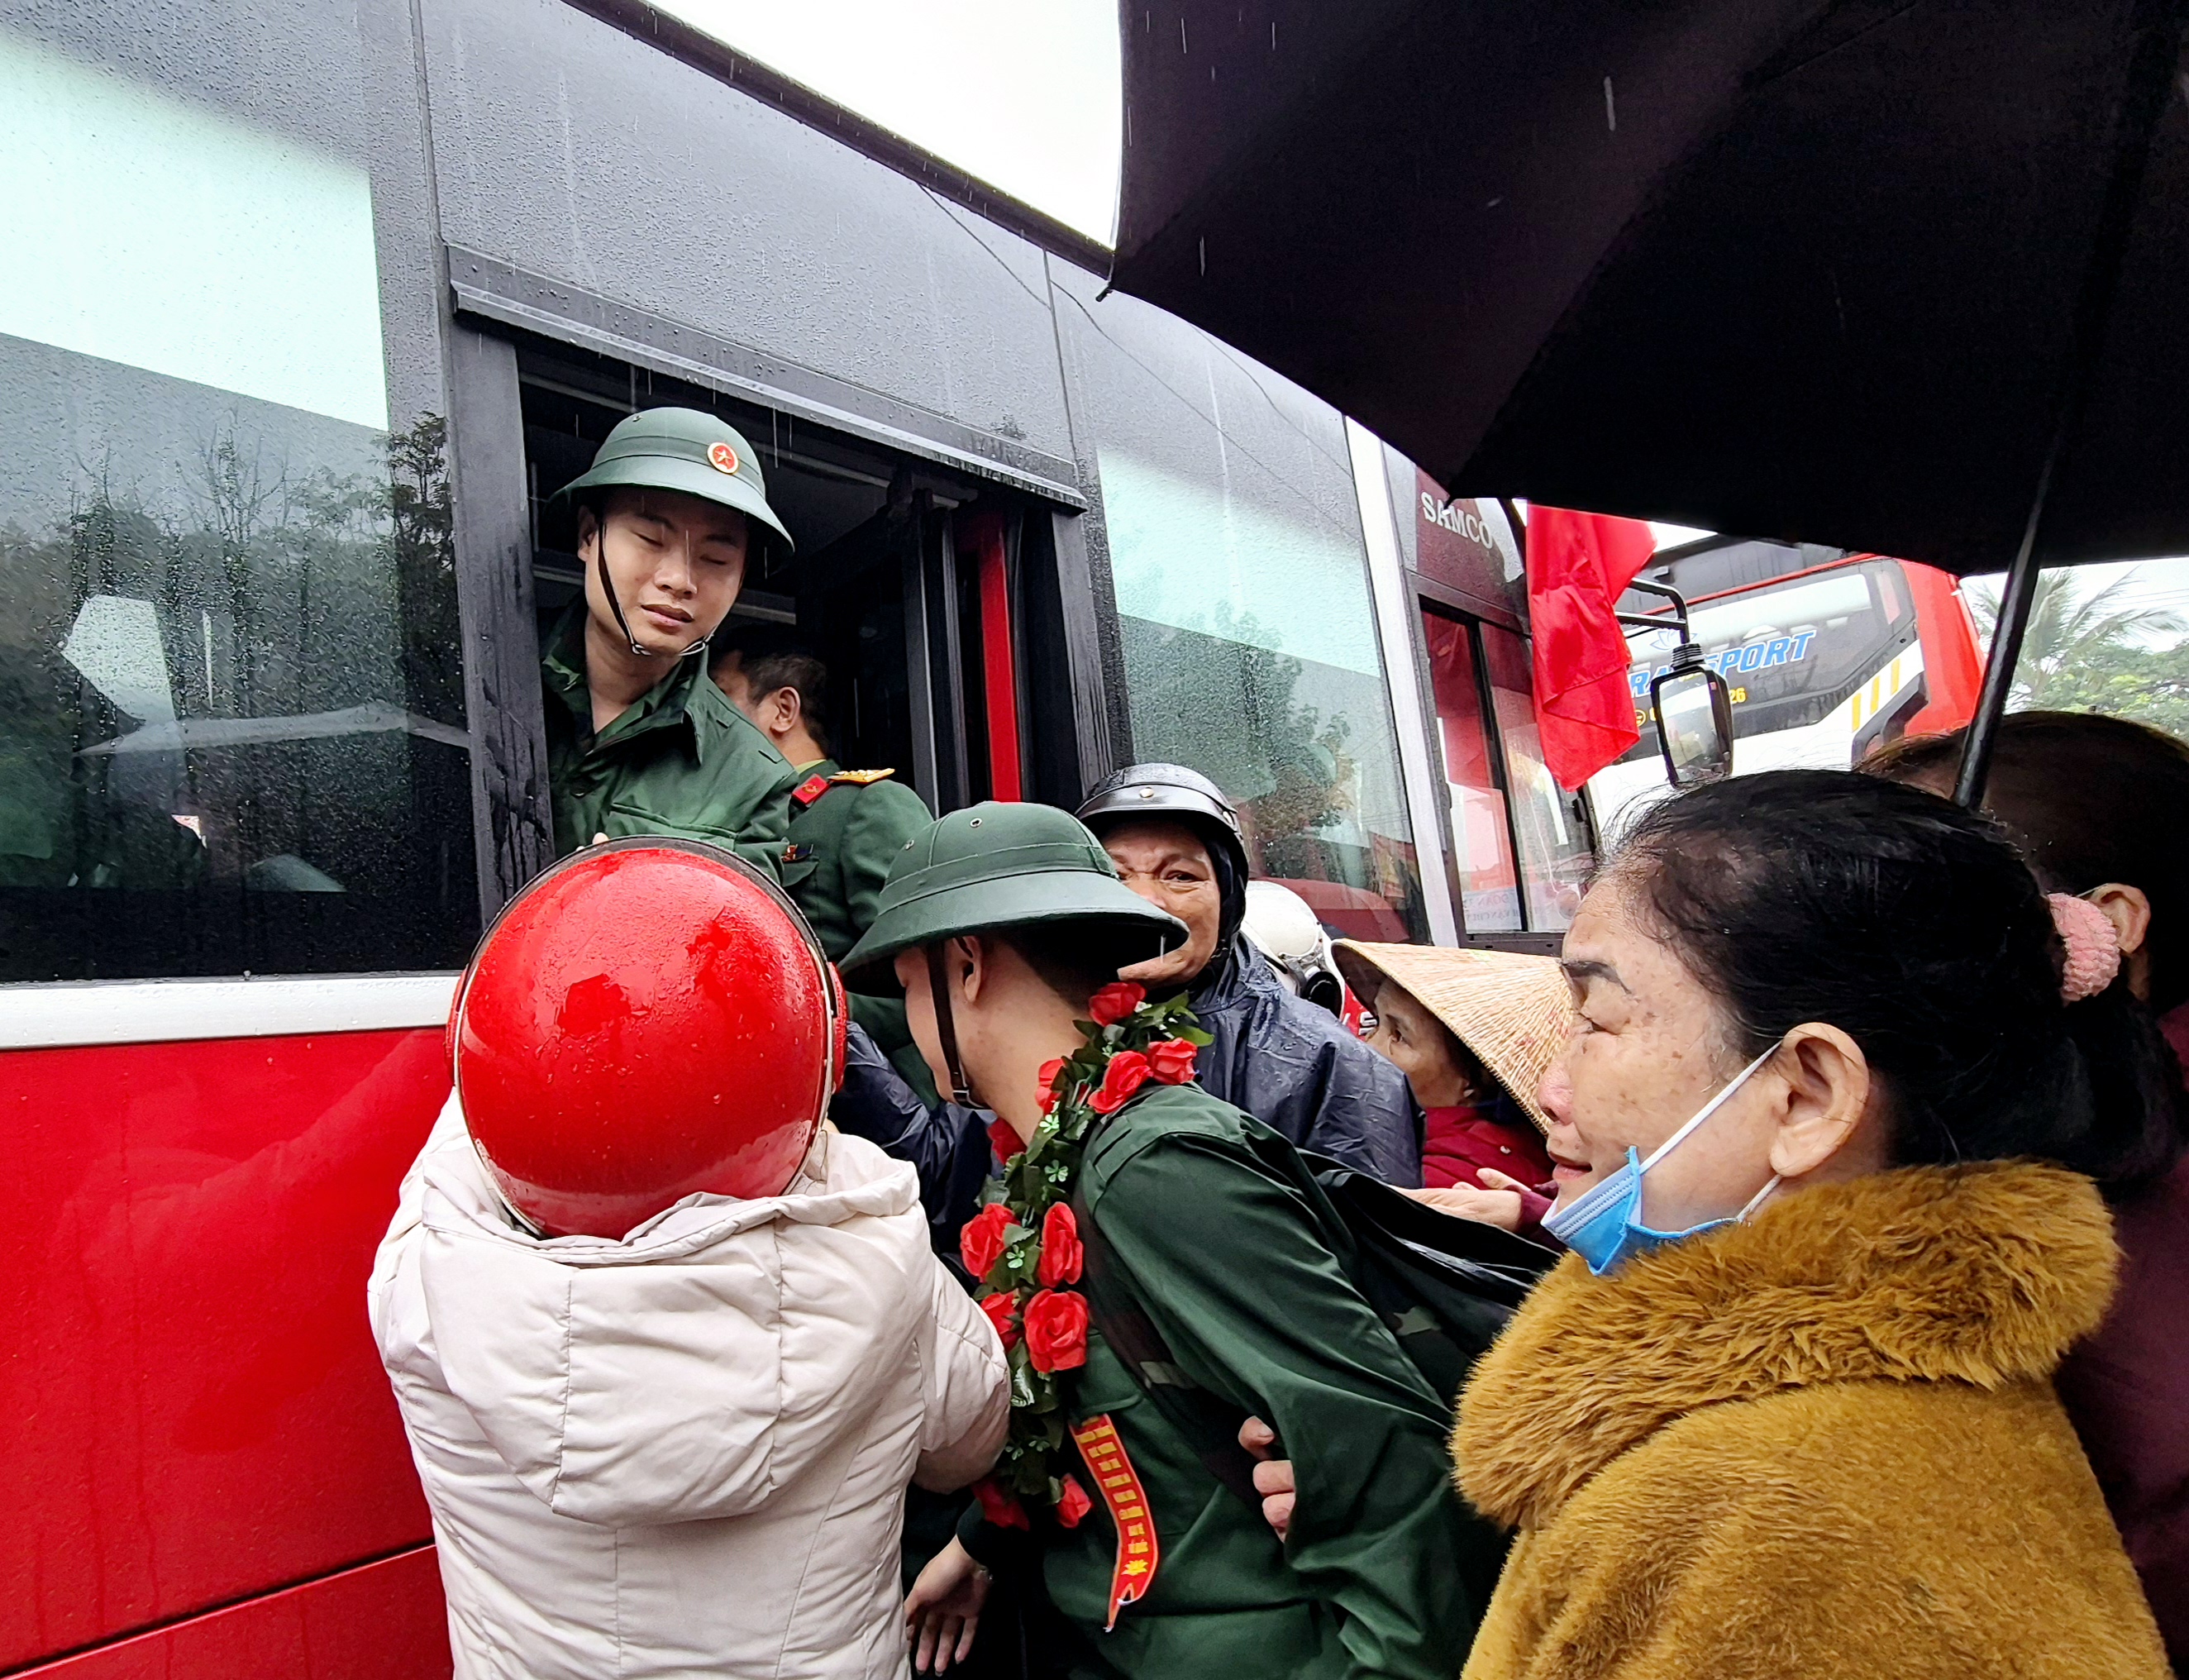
x=949, y=656
x=179, y=935
x=1535, y=874
x=1469, y=611
x=1284, y=447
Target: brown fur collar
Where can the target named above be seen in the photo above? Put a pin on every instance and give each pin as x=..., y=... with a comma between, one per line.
x=1978, y=1274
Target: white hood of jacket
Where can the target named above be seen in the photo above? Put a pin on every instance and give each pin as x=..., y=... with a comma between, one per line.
x=684, y=1452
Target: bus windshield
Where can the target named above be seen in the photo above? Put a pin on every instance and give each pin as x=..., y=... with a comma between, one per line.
x=1789, y=652
x=1821, y=665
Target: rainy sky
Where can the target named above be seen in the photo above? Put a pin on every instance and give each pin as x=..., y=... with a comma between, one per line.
x=1023, y=93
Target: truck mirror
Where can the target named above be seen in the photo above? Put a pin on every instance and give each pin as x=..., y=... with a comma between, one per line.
x=1694, y=723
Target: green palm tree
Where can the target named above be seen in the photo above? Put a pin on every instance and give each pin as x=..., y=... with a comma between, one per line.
x=2069, y=625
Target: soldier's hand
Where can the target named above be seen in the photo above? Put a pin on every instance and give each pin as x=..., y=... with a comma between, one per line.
x=1273, y=1476
x=943, y=1610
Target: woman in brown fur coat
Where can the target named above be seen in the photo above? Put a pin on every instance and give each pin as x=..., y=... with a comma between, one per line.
x=1787, y=1409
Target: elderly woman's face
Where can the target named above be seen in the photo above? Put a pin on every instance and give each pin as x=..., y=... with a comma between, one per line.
x=1650, y=1049
x=1407, y=1034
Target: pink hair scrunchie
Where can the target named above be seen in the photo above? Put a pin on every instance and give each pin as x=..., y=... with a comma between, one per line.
x=2094, y=954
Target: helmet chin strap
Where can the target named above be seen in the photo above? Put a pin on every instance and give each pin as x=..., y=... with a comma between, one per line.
x=608, y=588
x=945, y=1028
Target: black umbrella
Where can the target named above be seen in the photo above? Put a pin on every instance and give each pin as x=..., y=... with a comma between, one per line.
x=1909, y=276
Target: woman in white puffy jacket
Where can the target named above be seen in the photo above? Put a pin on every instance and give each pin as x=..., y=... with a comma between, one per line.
x=684, y=1452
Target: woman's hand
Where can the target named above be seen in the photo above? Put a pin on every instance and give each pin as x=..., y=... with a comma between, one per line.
x=1273, y=1476
x=1498, y=1205
x=943, y=1610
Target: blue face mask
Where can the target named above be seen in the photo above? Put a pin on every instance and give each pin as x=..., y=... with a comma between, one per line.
x=1604, y=1226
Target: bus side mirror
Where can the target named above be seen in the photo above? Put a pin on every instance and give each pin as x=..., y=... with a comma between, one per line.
x=1693, y=713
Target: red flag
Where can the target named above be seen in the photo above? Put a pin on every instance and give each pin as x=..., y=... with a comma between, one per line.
x=1578, y=563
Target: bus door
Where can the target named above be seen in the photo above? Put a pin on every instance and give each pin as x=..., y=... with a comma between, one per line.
x=1518, y=848
x=1522, y=847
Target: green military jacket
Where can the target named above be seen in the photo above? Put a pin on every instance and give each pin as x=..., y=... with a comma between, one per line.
x=842, y=840
x=1216, y=1228
x=846, y=829
x=682, y=761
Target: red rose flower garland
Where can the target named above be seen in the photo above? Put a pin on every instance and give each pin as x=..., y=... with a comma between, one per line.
x=1024, y=1249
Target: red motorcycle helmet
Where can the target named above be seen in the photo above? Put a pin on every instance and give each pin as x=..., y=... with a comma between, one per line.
x=647, y=1019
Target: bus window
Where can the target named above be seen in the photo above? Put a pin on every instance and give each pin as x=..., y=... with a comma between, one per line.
x=235, y=735
x=886, y=587
x=1792, y=653
x=1799, y=640
x=1892, y=590
x=1556, y=850
x=1249, y=634
x=1481, y=828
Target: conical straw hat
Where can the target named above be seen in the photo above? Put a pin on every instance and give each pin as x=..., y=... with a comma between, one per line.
x=1513, y=1013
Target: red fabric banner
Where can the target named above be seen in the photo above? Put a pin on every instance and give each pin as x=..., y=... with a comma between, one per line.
x=1578, y=563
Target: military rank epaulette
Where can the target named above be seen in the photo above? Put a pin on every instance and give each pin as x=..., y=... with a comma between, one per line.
x=817, y=784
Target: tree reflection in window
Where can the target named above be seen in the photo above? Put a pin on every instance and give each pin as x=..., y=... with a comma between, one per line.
x=247, y=676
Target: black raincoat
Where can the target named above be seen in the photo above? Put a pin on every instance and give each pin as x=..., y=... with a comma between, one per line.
x=1294, y=1066
x=1290, y=1064
x=947, y=1146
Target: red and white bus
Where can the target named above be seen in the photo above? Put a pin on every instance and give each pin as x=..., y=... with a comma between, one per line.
x=1826, y=654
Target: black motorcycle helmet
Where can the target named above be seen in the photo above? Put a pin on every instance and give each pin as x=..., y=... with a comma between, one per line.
x=1173, y=791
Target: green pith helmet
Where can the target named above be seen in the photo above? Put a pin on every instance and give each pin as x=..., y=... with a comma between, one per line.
x=683, y=450
x=993, y=866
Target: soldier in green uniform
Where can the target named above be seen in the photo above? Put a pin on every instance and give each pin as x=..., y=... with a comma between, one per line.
x=846, y=826
x=639, y=742
x=1002, y=923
